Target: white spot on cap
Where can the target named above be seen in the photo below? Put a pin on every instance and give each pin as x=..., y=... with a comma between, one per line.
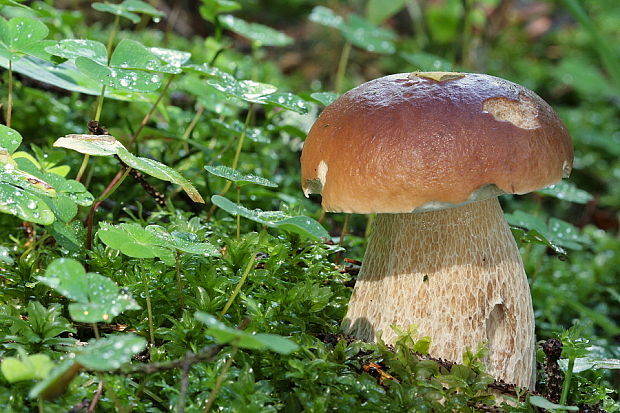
x=322, y=172
x=315, y=186
x=566, y=169
x=522, y=113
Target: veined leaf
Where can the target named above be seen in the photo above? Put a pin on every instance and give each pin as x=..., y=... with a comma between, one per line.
x=97, y=297
x=128, y=9
x=567, y=191
x=135, y=241
x=159, y=171
x=74, y=48
x=301, y=225
x=183, y=241
x=122, y=79
x=24, y=205
x=95, y=145
x=258, y=33
x=111, y=352
x=237, y=177
x=222, y=334
x=10, y=139
x=22, y=36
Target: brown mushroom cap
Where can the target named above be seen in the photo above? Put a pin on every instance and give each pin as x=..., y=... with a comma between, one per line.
x=435, y=139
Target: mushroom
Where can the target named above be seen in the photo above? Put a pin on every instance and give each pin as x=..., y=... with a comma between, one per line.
x=429, y=152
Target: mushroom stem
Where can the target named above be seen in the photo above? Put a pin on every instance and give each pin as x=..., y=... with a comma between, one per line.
x=457, y=275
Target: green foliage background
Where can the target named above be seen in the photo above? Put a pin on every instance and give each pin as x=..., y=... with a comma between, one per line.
x=212, y=100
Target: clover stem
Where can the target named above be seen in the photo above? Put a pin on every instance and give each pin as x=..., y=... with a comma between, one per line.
x=149, y=311
x=238, y=216
x=192, y=124
x=567, y=379
x=221, y=377
x=343, y=233
x=178, y=276
x=96, y=331
x=115, y=25
x=342, y=66
x=84, y=164
x=100, y=104
x=234, y=294
x=9, y=104
x=82, y=169
x=235, y=161
x=248, y=117
x=147, y=117
x=114, y=184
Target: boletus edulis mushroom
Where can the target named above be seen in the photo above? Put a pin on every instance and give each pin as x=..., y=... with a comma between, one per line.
x=430, y=152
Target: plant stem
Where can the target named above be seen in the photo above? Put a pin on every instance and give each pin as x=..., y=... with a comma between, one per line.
x=238, y=216
x=235, y=161
x=178, y=276
x=234, y=294
x=147, y=117
x=100, y=104
x=96, y=331
x=248, y=117
x=116, y=182
x=82, y=169
x=149, y=311
x=192, y=124
x=342, y=66
x=567, y=379
x=220, y=378
x=9, y=104
x=343, y=233
x=115, y=25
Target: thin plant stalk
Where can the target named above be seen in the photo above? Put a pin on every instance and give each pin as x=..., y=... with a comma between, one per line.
x=567, y=379
x=221, y=377
x=178, y=277
x=235, y=161
x=101, y=97
x=82, y=169
x=238, y=216
x=149, y=311
x=192, y=125
x=115, y=25
x=248, y=117
x=147, y=117
x=343, y=233
x=9, y=104
x=342, y=66
x=100, y=103
x=116, y=182
x=234, y=294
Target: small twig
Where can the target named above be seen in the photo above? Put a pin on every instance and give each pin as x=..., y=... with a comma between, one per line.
x=93, y=404
x=80, y=406
x=185, y=368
